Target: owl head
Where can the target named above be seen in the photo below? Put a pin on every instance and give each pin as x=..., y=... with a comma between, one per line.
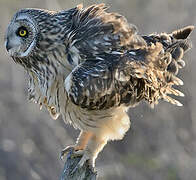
x=36, y=30
x=22, y=35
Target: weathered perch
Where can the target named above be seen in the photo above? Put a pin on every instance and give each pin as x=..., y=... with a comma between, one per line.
x=83, y=173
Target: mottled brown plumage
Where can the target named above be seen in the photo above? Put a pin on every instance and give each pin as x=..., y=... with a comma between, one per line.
x=90, y=66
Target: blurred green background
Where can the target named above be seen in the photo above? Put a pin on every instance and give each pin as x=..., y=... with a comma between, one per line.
x=161, y=144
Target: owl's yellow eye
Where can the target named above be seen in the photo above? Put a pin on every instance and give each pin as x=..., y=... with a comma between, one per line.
x=22, y=32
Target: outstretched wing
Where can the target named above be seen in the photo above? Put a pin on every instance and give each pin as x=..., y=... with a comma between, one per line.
x=148, y=73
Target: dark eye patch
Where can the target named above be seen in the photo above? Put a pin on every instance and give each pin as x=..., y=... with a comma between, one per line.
x=22, y=32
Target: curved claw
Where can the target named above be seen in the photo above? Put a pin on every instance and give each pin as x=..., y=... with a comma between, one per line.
x=77, y=151
x=65, y=151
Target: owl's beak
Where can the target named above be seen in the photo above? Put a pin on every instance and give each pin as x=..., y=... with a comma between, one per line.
x=7, y=45
x=10, y=48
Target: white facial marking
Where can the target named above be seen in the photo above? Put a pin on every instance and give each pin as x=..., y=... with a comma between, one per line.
x=28, y=50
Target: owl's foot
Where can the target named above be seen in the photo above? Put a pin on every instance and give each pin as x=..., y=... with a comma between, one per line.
x=80, y=145
x=77, y=151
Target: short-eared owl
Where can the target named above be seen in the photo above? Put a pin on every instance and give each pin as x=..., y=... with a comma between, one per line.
x=90, y=66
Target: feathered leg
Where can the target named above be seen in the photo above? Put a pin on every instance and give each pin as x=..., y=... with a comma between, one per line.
x=90, y=153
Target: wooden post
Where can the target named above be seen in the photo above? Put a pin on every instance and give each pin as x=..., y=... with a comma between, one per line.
x=83, y=173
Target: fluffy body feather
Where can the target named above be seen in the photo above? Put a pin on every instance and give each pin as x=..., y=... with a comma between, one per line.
x=90, y=66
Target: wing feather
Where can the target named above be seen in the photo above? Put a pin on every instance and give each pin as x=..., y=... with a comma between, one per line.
x=147, y=73
x=96, y=84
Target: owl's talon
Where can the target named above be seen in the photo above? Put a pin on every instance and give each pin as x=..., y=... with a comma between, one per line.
x=75, y=149
x=78, y=153
x=65, y=151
